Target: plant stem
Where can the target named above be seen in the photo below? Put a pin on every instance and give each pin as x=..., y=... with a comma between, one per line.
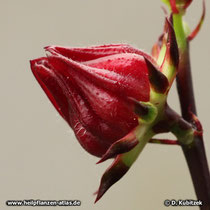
x=195, y=154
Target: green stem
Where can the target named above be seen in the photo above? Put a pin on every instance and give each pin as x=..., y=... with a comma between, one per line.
x=179, y=31
x=143, y=134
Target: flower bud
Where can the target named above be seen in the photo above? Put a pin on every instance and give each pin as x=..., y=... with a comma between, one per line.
x=90, y=87
x=110, y=96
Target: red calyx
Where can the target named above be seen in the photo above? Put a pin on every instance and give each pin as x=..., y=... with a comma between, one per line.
x=90, y=87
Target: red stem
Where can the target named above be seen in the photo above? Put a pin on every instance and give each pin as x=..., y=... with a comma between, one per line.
x=164, y=141
x=195, y=155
